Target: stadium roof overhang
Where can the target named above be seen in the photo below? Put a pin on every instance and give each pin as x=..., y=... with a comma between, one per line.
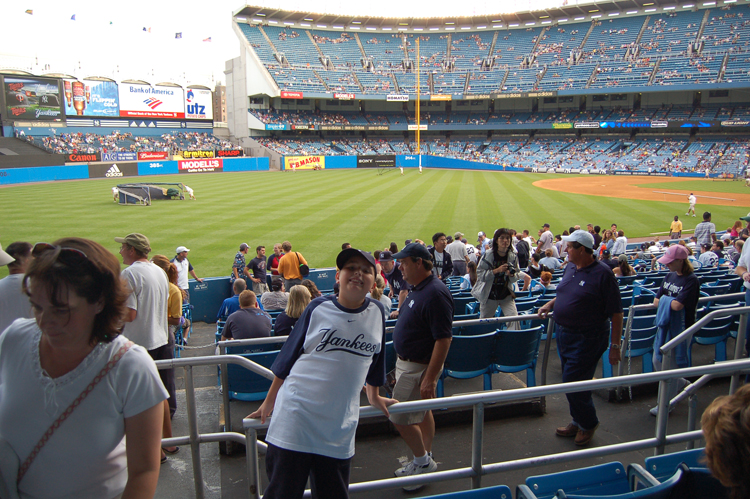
x=566, y=13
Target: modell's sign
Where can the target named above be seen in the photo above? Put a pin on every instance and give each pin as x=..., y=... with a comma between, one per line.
x=234, y=153
x=83, y=158
x=149, y=155
x=343, y=96
x=397, y=97
x=196, y=154
x=200, y=166
x=291, y=95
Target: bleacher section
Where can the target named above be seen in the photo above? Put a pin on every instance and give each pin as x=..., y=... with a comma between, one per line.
x=643, y=50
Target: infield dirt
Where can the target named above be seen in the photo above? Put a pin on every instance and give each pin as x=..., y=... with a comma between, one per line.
x=631, y=187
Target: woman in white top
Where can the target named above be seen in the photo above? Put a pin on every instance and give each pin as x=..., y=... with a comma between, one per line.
x=72, y=351
x=468, y=281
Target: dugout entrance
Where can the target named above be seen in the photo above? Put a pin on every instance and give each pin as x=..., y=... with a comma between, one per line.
x=143, y=193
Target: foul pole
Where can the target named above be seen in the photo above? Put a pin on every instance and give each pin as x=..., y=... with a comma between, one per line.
x=416, y=108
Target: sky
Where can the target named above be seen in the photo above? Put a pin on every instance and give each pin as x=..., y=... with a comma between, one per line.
x=107, y=38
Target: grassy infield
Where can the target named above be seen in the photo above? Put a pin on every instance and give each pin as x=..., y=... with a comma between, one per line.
x=318, y=210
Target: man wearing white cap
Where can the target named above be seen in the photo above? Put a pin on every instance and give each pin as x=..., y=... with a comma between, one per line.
x=483, y=240
x=183, y=268
x=588, y=300
x=14, y=304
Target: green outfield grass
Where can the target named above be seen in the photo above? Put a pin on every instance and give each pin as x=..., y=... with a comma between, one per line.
x=319, y=210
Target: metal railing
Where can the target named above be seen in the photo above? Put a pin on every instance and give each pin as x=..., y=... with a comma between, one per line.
x=475, y=401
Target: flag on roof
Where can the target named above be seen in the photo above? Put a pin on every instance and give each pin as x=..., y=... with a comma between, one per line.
x=73, y=17
x=30, y=12
x=207, y=39
x=178, y=35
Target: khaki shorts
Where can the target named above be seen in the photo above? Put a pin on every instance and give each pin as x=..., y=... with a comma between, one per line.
x=408, y=380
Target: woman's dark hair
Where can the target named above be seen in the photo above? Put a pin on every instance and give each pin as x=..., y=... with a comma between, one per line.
x=92, y=272
x=502, y=232
x=624, y=265
x=376, y=254
x=472, y=267
x=393, y=248
x=314, y=291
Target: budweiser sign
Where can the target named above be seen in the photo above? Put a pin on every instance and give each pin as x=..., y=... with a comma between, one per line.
x=149, y=155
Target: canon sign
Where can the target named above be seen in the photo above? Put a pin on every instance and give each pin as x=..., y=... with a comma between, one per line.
x=82, y=158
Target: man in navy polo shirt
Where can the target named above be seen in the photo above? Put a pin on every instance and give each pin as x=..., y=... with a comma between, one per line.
x=588, y=300
x=399, y=287
x=422, y=337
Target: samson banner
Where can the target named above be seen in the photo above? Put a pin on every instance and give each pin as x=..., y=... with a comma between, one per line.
x=148, y=155
x=28, y=98
x=201, y=166
x=119, y=156
x=199, y=104
x=234, y=153
x=145, y=101
x=304, y=162
x=91, y=98
x=90, y=157
x=113, y=170
x=196, y=154
x=381, y=161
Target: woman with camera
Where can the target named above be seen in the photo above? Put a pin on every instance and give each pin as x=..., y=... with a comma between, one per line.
x=496, y=273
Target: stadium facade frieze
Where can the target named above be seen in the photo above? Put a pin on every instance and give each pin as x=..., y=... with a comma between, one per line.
x=614, y=126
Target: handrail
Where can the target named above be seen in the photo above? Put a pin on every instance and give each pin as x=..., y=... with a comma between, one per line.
x=479, y=400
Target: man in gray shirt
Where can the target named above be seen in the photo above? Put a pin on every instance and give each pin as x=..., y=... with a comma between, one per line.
x=459, y=255
x=248, y=322
x=705, y=232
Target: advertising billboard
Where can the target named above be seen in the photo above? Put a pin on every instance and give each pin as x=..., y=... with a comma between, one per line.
x=196, y=154
x=91, y=98
x=232, y=153
x=291, y=95
x=201, y=166
x=304, y=162
x=149, y=155
x=82, y=157
x=112, y=170
x=119, y=156
x=199, y=104
x=380, y=161
x=28, y=98
x=145, y=101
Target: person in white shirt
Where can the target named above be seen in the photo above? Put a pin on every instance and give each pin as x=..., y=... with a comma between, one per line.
x=691, y=204
x=621, y=244
x=183, y=269
x=708, y=258
x=14, y=304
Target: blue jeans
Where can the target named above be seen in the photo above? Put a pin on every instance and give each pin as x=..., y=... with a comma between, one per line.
x=580, y=351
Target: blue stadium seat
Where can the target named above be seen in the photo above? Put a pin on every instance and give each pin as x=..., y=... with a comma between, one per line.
x=496, y=492
x=610, y=479
x=246, y=385
x=516, y=351
x=664, y=466
x=469, y=357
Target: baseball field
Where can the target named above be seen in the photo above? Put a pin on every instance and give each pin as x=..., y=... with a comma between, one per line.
x=319, y=210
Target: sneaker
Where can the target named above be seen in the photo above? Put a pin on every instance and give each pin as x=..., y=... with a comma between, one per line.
x=654, y=411
x=412, y=469
x=584, y=436
x=567, y=431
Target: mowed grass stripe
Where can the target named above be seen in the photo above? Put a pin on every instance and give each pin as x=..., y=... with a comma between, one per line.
x=318, y=211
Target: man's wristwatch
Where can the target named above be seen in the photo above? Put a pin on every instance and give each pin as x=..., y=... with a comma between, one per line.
x=615, y=346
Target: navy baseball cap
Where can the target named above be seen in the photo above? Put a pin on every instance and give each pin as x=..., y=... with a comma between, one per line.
x=386, y=256
x=349, y=253
x=413, y=249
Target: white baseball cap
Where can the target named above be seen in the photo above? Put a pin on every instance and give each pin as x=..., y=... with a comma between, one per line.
x=180, y=249
x=582, y=237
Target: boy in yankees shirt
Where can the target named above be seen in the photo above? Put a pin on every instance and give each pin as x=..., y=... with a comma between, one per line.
x=335, y=347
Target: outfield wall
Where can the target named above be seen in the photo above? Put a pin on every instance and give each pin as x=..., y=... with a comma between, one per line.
x=429, y=161
x=80, y=171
